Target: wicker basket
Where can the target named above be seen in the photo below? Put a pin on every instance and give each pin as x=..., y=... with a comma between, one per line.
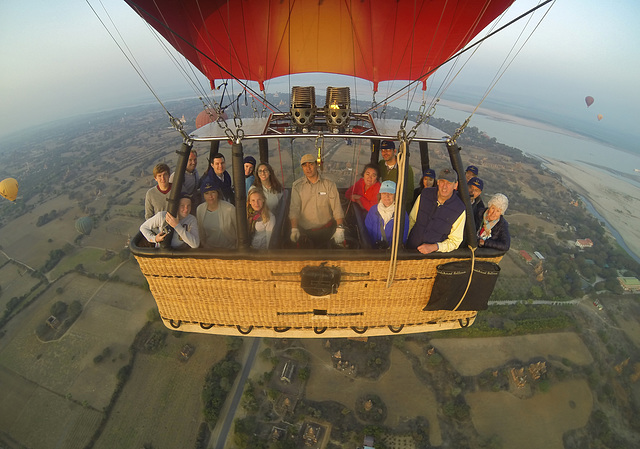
x=265, y=297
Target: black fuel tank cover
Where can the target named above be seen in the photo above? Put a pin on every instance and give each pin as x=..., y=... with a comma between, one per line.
x=320, y=280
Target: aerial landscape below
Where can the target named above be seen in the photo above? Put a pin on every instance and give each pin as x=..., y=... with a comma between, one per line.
x=86, y=363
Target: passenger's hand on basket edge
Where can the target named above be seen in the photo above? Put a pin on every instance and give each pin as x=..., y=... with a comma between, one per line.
x=338, y=236
x=295, y=234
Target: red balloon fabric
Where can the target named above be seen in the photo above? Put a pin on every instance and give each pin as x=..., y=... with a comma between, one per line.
x=376, y=40
x=589, y=100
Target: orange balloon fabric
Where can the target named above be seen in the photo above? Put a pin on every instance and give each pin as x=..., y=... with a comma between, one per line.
x=376, y=40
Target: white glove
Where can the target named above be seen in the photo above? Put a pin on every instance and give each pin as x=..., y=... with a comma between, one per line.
x=295, y=234
x=338, y=236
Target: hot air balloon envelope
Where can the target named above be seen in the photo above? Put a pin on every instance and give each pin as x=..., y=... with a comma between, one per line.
x=376, y=40
x=84, y=225
x=599, y=117
x=9, y=189
x=589, y=100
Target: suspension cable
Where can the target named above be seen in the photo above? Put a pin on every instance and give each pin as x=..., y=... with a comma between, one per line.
x=193, y=81
x=499, y=75
x=130, y=58
x=448, y=78
x=466, y=49
x=179, y=36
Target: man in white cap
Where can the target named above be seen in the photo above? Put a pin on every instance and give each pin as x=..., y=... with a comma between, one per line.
x=438, y=216
x=315, y=209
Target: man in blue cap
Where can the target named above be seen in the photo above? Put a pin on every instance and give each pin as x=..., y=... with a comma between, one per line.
x=249, y=168
x=389, y=169
x=471, y=171
x=476, y=185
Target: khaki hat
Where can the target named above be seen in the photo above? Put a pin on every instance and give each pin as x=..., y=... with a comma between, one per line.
x=307, y=158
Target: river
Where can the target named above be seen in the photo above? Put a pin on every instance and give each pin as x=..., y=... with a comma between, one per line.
x=544, y=143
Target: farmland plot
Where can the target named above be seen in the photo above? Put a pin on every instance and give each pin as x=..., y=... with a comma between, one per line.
x=471, y=356
x=161, y=402
x=15, y=281
x=536, y=422
x=41, y=419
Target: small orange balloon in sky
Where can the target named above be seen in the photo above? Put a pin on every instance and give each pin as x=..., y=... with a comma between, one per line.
x=9, y=189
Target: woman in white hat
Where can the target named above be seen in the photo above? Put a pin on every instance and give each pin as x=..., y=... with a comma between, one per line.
x=379, y=220
x=493, y=229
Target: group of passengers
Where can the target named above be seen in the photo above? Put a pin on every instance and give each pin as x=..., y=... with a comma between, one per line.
x=435, y=221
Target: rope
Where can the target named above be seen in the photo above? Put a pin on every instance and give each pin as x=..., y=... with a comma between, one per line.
x=281, y=167
x=473, y=263
x=395, y=239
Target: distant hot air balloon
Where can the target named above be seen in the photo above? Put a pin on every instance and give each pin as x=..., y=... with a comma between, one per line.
x=9, y=189
x=84, y=225
x=589, y=100
x=599, y=117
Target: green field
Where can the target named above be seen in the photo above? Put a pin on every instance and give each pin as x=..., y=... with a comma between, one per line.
x=111, y=317
x=15, y=281
x=90, y=258
x=26, y=406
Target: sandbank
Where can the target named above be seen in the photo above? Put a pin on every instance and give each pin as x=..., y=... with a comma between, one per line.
x=617, y=200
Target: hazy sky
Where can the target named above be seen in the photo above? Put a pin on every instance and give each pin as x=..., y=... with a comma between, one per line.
x=58, y=61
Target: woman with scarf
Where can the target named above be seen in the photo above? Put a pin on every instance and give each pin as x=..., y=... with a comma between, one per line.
x=379, y=220
x=493, y=229
x=260, y=220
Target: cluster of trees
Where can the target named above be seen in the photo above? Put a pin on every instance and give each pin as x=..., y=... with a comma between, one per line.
x=156, y=341
x=371, y=408
x=371, y=358
x=65, y=313
x=106, y=353
x=46, y=218
x=55, y=256
x=218, y=383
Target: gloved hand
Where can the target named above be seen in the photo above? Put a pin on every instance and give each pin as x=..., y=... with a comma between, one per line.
x=338, y=236
x=295, y=234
